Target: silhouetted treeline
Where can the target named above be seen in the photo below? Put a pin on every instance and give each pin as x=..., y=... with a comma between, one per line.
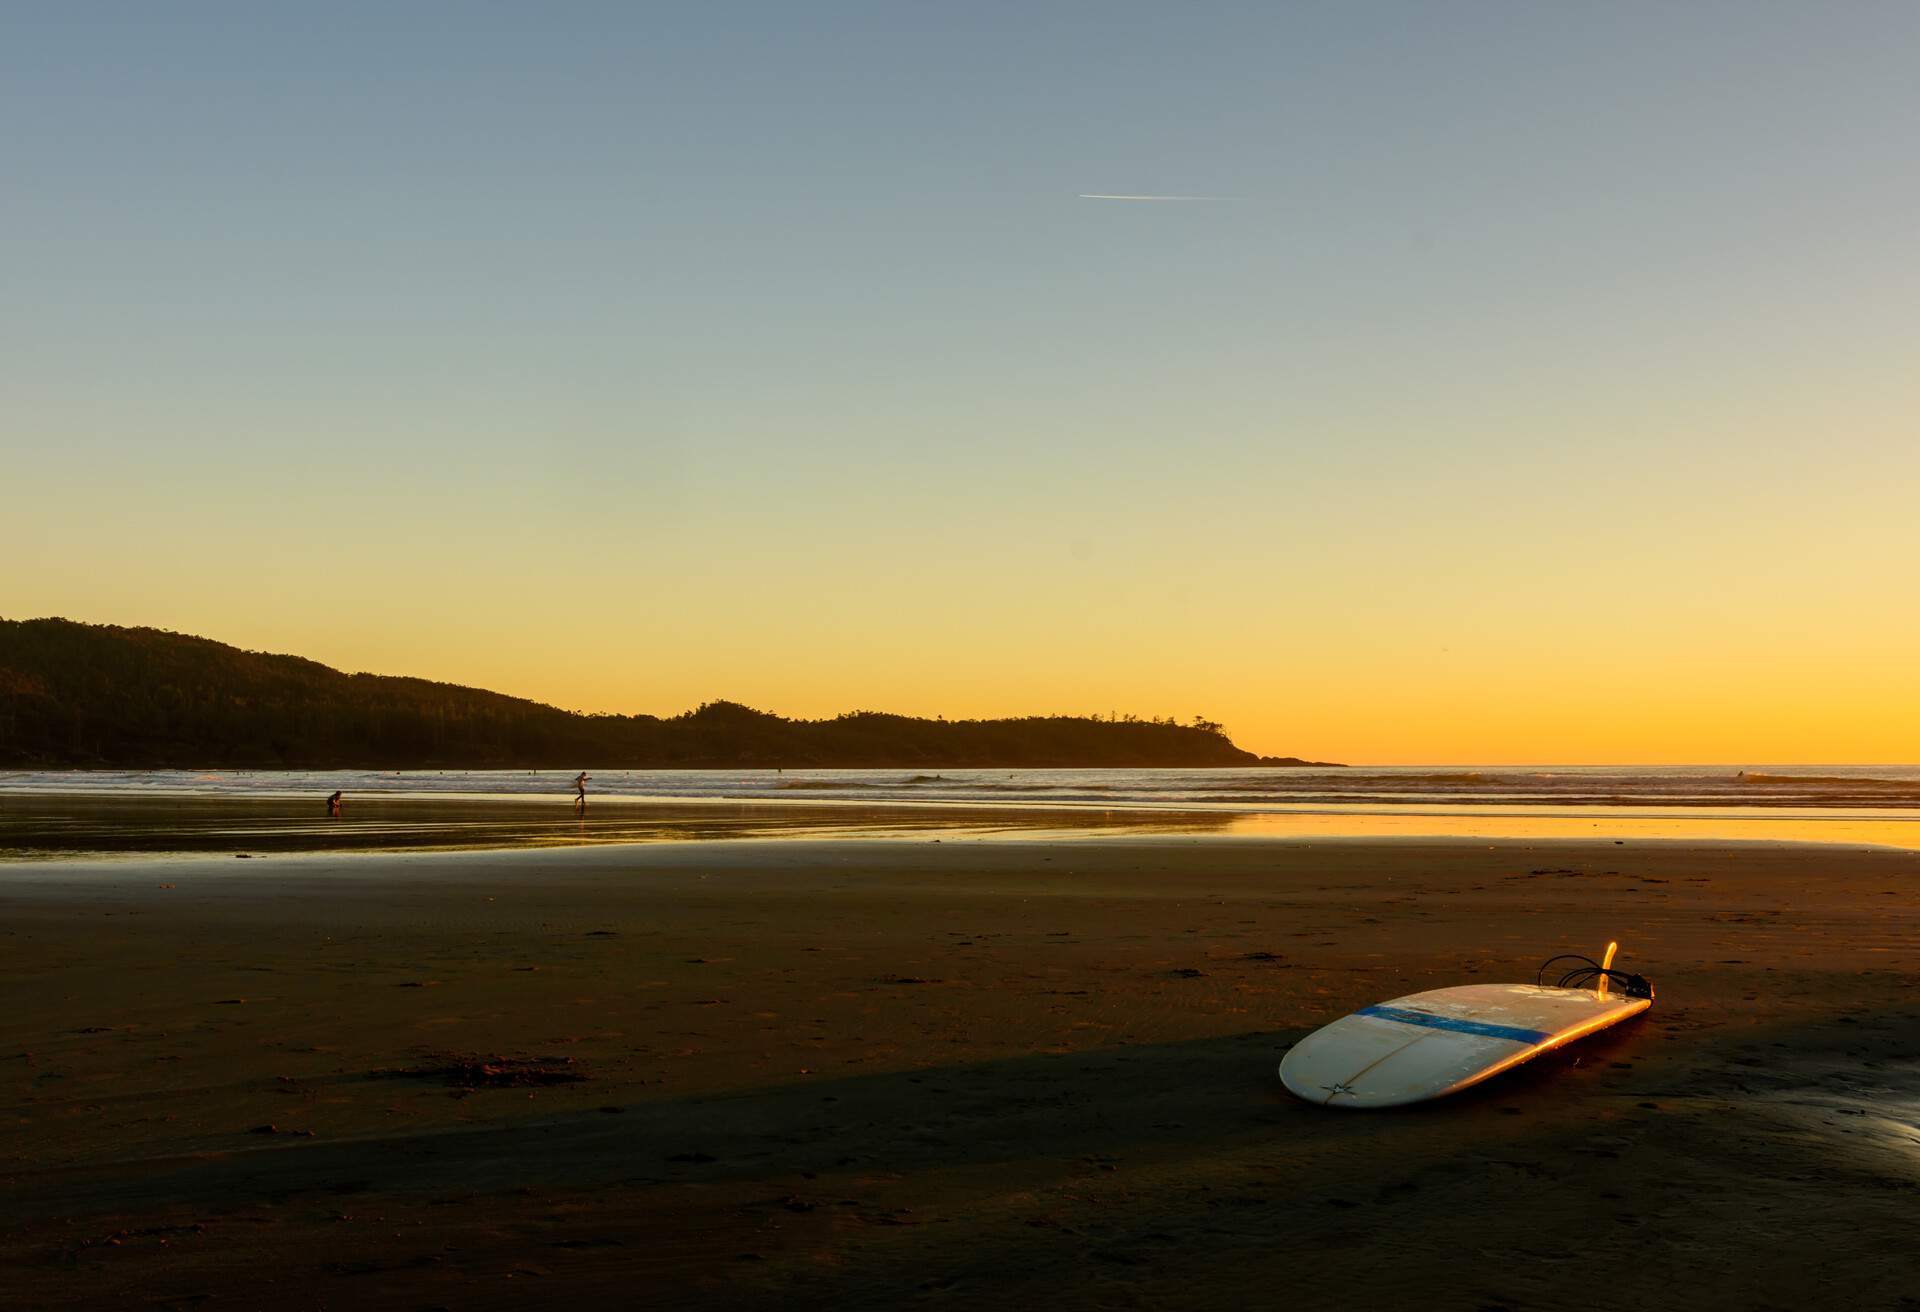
x=97, y=695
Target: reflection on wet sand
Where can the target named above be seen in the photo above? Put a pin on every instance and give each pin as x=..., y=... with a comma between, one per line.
x=43, y=826
x=1589, y=824
x=40, y=826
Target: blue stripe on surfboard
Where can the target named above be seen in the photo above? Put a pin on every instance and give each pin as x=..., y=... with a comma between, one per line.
x=1479, y=1027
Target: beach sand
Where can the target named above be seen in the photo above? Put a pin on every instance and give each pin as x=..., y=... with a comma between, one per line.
x=1013, y=1074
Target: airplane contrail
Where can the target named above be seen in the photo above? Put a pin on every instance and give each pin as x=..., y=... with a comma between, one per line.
x=1098, y=195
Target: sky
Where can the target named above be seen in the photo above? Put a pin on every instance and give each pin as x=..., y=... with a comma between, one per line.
x=1534, y=384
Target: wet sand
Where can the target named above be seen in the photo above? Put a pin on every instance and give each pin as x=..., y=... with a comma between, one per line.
x=66, y=826
x=866, y=1074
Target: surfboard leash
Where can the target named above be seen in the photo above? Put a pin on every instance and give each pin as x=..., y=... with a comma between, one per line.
x=1589, y=972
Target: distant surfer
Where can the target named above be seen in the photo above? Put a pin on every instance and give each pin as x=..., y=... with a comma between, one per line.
x=333, y=804
x=580, y=783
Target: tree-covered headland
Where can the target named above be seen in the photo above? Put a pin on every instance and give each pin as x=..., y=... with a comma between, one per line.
x=87, y=695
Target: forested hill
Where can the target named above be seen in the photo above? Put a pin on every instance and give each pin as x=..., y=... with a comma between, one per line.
x=89, y=695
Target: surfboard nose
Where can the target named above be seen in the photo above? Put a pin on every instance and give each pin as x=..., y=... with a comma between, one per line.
x=1340, y=1073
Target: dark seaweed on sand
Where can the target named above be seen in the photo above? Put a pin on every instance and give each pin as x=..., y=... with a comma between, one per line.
x=476, y=1072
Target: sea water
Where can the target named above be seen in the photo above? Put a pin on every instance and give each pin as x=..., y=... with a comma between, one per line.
x=1876, y=804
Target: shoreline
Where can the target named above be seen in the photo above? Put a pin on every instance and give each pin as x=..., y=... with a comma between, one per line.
x=40, y=825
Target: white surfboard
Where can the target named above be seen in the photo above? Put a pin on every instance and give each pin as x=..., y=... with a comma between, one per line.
x=1428, y=1045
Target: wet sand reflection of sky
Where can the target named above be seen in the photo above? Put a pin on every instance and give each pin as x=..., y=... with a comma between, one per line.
x=45, y=826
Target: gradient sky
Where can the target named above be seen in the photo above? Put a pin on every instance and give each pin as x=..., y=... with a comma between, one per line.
x=1541, y=386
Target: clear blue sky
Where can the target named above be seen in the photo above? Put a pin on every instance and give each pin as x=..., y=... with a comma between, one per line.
x=626, y=355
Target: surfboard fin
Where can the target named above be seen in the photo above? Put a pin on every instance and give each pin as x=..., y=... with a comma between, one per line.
x=1636, y=985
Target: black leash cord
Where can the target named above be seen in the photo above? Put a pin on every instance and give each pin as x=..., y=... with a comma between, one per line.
x=1587, y=974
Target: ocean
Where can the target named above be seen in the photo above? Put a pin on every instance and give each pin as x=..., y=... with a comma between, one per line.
x=1871, y=788
x=1870, y=804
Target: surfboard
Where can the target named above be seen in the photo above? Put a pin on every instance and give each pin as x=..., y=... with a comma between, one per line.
x=1427, y=1045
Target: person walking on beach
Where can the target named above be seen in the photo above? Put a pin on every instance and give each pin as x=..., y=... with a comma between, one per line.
x=580, y=782
x=333, y=804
